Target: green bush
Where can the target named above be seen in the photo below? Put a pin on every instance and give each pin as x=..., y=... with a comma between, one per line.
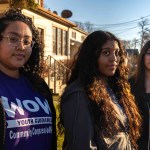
x=59, y=138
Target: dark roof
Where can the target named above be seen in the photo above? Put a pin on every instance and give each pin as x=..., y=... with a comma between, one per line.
x=52, y=16
x=132, y=51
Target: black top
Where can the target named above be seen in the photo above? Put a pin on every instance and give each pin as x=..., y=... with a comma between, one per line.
x=143, y=101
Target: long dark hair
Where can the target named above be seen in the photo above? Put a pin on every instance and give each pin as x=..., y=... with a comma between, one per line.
x=139, y=77
x=86, y=69
x=85, y=66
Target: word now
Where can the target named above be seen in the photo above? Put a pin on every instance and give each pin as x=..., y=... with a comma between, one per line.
x=30, y=105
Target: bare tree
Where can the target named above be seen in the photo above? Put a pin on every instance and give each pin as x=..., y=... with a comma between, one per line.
x=79, y=25
x=127, y=44
x=87, y=26
x=135, y=43
x=145, y=31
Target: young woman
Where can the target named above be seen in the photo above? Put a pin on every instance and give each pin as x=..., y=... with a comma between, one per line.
x=97, y=108
x=27, y=113
x=140, y=84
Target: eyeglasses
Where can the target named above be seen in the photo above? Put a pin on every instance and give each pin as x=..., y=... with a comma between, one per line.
x=15, y=41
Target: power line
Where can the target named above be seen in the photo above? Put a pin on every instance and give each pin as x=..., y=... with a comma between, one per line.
x=132, y=21
x=116, y=24
x=127, y=30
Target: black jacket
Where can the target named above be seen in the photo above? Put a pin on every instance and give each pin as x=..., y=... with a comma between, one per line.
x=142, y=101
x=80, y=126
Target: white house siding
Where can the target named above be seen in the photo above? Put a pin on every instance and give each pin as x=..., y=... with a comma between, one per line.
x=46, y=24
x=79, y=33
x=75, y=42
x=65, y=28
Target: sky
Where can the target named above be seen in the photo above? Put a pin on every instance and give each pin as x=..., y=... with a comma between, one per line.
x=120, y=17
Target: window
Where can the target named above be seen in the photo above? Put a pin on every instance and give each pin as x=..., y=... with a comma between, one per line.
x=59, y=41
x=74, y=35
x=41, y=35
x=82, y=38
x=64, y=47
x=55, y=40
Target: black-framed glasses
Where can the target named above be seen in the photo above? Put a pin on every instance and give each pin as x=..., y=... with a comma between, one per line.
x=14, y=41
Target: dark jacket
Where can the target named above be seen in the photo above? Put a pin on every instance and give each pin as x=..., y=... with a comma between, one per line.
x=79, y=124
x=143, y=101
x=3, y=122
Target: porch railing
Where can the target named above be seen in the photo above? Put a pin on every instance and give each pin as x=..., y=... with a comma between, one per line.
x=56, y=74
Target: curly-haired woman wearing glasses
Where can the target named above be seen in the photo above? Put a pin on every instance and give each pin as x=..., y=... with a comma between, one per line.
x=27, y=114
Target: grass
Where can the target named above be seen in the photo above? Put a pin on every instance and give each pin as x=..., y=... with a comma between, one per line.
x=59, y=138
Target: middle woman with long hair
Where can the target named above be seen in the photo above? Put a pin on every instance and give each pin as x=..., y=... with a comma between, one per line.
x=97, y=109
